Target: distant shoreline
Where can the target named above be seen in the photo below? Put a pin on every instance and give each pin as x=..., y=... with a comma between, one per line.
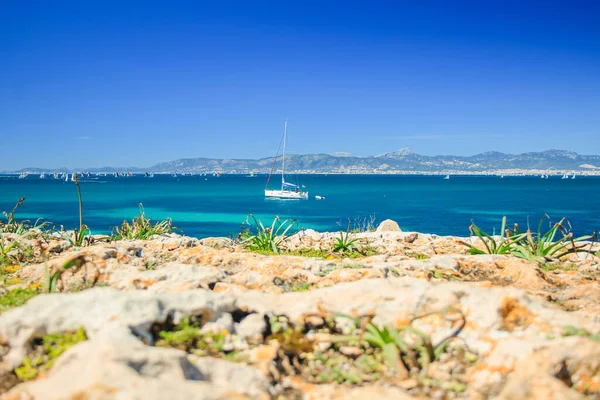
x=499, y=173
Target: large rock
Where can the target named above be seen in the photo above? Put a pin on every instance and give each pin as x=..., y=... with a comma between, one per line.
x=114, y=360
x=388, y=225
x=103, y=369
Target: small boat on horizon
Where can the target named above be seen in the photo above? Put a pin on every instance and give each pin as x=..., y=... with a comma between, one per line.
x=288, y=190
x=447, y=177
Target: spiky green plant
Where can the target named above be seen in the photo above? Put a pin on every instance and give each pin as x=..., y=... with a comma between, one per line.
x=494, y=245
x=542, y=247
x=265, y=238
x=141, y=228
x=398, y=352
x=346, y=243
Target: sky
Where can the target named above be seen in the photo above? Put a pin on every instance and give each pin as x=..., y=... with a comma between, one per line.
x=134, y=83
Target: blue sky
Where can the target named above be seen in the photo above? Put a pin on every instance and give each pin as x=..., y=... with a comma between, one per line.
x=132, y=83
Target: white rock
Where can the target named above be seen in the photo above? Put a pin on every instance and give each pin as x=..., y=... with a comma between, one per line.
x=388, y=225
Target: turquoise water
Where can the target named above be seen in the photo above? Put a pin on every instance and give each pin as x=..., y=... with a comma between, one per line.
x=216, y=206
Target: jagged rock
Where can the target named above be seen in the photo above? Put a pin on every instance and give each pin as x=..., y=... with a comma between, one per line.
x=388, y=225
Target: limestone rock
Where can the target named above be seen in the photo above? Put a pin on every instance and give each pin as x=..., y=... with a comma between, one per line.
x=99, y=369
x=516, y=312
x=388, y=225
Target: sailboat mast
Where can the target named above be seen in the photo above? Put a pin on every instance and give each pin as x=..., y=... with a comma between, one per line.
x=283, y=158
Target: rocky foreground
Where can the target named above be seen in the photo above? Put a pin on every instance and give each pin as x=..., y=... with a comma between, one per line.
x=183, y=318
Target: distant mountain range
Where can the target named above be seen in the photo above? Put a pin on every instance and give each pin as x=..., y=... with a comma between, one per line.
x=397, y=161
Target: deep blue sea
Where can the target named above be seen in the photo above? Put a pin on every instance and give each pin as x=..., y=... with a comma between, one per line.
x=216, y=206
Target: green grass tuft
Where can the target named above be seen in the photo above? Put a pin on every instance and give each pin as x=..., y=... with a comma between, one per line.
x=571, y=330
x=141, y=228
x=263, y=238
x=44, y=355
x=16, y=298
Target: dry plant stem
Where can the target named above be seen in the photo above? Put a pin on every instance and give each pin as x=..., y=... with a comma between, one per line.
x=76, y=178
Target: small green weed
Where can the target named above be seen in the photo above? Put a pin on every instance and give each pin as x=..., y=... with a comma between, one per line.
x=187, y=336
x=151, y=264
x=571, y=330
x=329, y=269
x=5, y=249
x=434, y=273
x=300, y=287
x=345, y=243
x=265, y=239
x=303, y=252
x=558, y=267
x=45, y=354
x=16, y=298
x=141, y=228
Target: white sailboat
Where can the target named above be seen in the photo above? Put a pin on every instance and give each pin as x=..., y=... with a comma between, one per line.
x=447, y=177
x=288, y=190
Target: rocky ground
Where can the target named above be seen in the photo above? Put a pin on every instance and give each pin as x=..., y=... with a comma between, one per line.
x=176, y=317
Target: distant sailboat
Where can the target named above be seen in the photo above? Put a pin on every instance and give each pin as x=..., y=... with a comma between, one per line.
x=288, y=190
x=447, y=177
x=42, y=176
x=573, y=177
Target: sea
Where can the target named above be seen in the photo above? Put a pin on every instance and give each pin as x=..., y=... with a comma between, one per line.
x=204, y=206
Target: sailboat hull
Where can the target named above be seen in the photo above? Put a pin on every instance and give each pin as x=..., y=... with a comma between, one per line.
x=286, y=194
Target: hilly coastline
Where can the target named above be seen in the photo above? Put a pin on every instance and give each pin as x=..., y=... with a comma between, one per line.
x=400, y=161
